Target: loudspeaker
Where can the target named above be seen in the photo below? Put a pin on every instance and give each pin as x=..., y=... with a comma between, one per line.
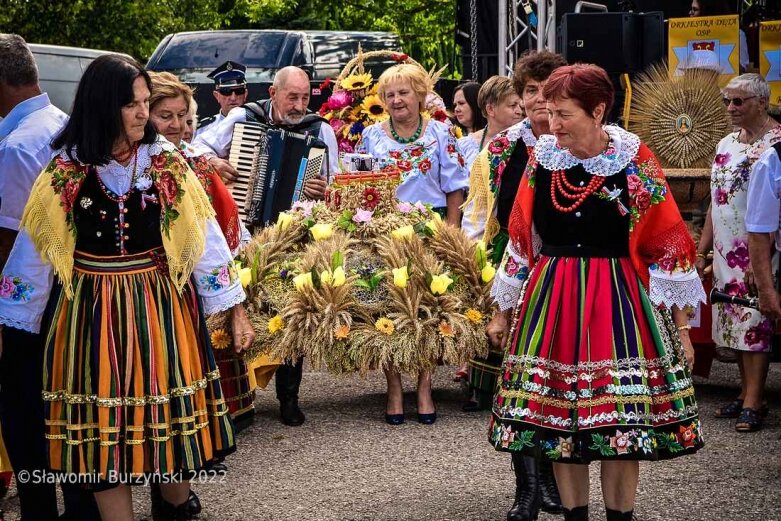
x=625, y=42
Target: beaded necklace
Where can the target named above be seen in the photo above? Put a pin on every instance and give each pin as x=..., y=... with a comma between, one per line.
x=560, y=186
x=406, y=140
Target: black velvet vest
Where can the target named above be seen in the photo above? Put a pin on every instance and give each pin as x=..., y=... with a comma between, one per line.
x=108, y=227
x=595, y=229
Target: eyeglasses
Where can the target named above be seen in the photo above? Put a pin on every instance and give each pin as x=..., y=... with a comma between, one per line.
x=736, y=101
x=227, y=91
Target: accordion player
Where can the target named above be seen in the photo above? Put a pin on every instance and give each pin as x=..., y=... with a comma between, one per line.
x=273, y=166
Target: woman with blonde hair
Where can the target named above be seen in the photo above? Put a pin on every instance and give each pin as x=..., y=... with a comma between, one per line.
x=432, y=172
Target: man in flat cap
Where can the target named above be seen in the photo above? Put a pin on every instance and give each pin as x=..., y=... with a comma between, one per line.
x=230, y=91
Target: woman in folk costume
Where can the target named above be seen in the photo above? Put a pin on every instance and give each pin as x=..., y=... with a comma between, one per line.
x=494, y=181
x=168, y=111
x=117, y=259
x=599, y=258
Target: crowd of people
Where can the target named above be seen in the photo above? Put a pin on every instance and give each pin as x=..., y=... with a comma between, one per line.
x=118, y=235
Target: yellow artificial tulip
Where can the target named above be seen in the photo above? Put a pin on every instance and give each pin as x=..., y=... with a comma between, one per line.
x=404, y=232
x=487, y=273
x=284, y=220
x=245, y=276
x=440, y=283
x=437, y=218
x=302, y=281
x=432, y=225
x=325, y=277
x=321, y=231
x=338, y=277
x=480, y=246
x=400, y=277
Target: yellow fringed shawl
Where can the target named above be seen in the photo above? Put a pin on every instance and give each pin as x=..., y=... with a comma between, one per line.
x=185, y=208
x=481, y=199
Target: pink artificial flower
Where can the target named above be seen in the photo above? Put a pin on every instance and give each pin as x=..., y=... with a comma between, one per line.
x=339, y=100
x=405, y=207
x=345, y=146
x=337, y=125
x=362, y=216
x=304, y=206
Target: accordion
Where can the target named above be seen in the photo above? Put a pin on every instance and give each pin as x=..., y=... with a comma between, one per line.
x=273, y=165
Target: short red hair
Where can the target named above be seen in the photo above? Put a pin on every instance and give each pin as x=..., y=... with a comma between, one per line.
x=586, y=84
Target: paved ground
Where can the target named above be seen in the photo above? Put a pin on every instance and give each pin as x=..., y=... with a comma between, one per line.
x=345, y=463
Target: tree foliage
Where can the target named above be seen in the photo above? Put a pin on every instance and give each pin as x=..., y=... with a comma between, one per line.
x=135, y=27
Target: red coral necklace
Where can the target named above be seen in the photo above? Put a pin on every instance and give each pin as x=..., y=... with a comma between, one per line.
x=560, y=186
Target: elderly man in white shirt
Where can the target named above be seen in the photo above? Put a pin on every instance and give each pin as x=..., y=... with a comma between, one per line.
x=29, y=124
x=763, y=218
x=286, y=108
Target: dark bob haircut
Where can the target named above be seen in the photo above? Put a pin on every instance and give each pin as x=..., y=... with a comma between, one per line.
x=95, y=123
x=470, y=90
x=587, y=85
x=537, y=66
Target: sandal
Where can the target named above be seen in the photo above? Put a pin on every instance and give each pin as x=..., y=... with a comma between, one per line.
x=750, y=420
x=730, y=410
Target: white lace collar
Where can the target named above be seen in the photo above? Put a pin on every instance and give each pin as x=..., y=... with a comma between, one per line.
x=623, y=149
x=522, y=130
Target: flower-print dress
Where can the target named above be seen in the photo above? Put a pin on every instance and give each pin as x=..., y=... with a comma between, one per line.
x=431, y=167
x=734, y=326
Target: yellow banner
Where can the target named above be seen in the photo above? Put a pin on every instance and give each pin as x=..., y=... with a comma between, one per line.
x=718, y=34
x=770, y=57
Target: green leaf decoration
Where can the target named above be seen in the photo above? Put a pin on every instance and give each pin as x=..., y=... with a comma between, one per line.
x=337, y=259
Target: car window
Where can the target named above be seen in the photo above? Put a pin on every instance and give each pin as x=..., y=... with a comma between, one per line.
x=58, y=67
x=201, y=51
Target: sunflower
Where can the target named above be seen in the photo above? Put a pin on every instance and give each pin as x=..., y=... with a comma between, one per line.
x=373, y=108
x=473, y=315
x=445, y=329
x=384, y=326
x=355, y=82
x=275, y=325
x=220, y=339
x=341, y=332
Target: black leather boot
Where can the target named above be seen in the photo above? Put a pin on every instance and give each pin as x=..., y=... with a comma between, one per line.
x=165, y=511
x=159, y=511
x=288, y=382
x=615, y=515
x=576, y=514
x=549, y=491
x=527, y=489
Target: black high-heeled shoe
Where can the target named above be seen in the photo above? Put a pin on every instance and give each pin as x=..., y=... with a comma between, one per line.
x=394, y=419
x=427, y=418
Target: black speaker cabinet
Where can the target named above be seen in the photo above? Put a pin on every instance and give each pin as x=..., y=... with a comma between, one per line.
x=617, y=42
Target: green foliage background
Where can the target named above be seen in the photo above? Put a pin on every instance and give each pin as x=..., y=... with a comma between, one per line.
x=426, y=27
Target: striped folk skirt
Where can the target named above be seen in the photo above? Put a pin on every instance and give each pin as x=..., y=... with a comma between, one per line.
x=593, y=370
x=130, y=382
x=236, y=390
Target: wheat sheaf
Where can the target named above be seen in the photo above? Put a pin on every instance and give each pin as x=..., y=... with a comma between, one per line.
x=681, y=119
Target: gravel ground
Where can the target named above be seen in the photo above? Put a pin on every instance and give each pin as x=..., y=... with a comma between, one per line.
x=345, y=463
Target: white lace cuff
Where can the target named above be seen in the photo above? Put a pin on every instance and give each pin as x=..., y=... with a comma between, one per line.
x=31, y=326
x=224, y=301
x=680, y=288
x=505, y=295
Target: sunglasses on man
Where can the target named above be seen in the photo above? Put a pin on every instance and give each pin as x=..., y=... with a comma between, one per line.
x=736, y=101
x=227, y=91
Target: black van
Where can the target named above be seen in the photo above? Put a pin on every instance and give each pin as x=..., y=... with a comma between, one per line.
x=192, y=55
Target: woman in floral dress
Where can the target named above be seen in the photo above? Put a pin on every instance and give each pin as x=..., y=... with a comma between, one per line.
x=432, y=172
x=745, y=330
